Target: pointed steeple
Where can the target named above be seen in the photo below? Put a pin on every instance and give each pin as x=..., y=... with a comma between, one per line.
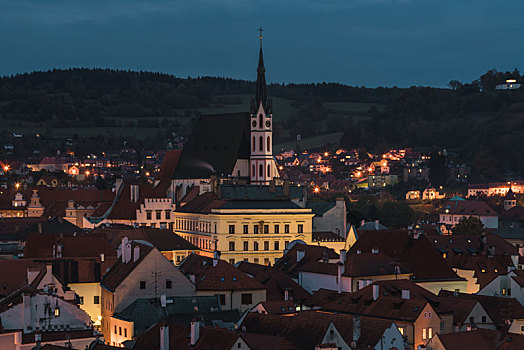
x=261, y=93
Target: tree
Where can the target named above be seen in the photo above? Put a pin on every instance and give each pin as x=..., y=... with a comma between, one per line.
x=468, y=225
x=455, y=84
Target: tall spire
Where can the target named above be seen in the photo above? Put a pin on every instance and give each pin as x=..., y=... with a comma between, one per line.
x=261, y=94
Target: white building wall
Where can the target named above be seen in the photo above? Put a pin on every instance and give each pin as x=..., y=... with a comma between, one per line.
x=314, y=281
x=334, y=220
x=392, y=339
x=155, y=263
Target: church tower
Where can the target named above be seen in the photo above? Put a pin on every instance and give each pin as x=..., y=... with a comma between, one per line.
x=262, y=166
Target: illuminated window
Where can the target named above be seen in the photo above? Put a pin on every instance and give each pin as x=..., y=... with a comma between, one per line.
x=424, y=336
x=57, y=311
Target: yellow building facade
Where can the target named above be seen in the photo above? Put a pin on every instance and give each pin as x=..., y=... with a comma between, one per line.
x=243, y=234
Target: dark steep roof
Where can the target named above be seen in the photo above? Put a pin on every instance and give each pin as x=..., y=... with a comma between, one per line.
x=215, y=144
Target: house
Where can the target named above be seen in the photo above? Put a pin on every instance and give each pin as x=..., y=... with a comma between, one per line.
x=30, y=316
x=478, y=259
x=171, y=245
x=324, y=330
x=213, y=276
x=246, y=223
x=479, y=339
x=301, y=255
x=430, y=194
x=415, y=318
x=170, y=336
x=329, y=216
x=412, y=195
x=501, y=311
x=509, y=285
x=416, y=252
x=352, y=272
x=137, y=318
x=141, y=272
x=456, y=209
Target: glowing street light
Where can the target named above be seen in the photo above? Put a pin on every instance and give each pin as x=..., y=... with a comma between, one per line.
x=316, y=190
x=87, y=173
x=17, y=185
x=6, y=168
x=147, y=173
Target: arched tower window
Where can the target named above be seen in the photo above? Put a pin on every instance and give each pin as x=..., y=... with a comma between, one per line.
x=268, y=171
x=268, y=144
x=253, y=170
x=254, y=143
x=261, y=144
x=261, y=171
x=260, y=124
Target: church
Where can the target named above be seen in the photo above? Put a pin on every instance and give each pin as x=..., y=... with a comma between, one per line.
x=231, y=147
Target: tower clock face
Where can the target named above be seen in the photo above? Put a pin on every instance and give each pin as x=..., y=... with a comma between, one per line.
x=254, y=123
x=268, y=123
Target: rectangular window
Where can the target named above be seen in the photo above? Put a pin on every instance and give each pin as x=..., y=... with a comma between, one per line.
x=424, y=336
x=125, y=332
x=159, y=215
x=401, y=330
x=255, y=246
x=231, y=229
x=119, y=330
x=169, y=284
x=255, y=260
x=430, y=333
x=168, y=215
x=96, y=300
x=484, y=319
x=286, y=228
x=266, y=245
x=246, y=229
x=255, y=229
x=266, y=228
x=277, y=245
x=247, y=299
x=232, y=261
x=222, y=298
x=148, y=215
x=472, y=319
x=442, y=326
x=142, y=284
x=231, y=246
x=266, y=261
x=277, y=228
x=300, y=228
x=115, y=329
x=81, y=300
x=246, y=246
x=286, y=243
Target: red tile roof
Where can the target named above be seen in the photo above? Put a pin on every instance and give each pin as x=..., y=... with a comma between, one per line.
x=468, y=207
x=480, y=339
x=124, y=208
x=312, y=253
x=203, y=204
x=416, y=252
x=223, y=276
x=120, y=270
x=277, y=282
x=80, y=246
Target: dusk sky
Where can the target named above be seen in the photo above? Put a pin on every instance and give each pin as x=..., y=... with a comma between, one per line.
x=356, y=42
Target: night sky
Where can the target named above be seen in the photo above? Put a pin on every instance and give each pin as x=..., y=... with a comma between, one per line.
x=357, y=42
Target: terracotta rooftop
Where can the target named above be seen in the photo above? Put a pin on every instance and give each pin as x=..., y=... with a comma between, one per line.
x=290, y=264
x=223, y=276
x=468, y=207
x=80, y=246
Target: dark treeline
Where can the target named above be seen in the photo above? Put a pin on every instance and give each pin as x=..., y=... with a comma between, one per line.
x=475, y=119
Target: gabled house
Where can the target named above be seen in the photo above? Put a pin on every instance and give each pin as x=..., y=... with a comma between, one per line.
x=310, y=330
x=141, y=272
x=212, y=276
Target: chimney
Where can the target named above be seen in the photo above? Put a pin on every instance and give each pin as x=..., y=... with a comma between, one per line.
x=195, y=332
x=300, y=254
x=134, y=193
x=362, y=223
x=136, y=253
x=377, y=225
x=356, y=330
x=285, y=189
x=49, y=269
x=342, y=256
x=26, y=300
x=123, y=249
x=216, y=258
x=164, y=337
x=163, y=300
x=340, y=271
x=376, y=290
x=102, y=257
x=405, y=294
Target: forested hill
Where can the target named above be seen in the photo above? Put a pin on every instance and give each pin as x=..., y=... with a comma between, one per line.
x=485, y=124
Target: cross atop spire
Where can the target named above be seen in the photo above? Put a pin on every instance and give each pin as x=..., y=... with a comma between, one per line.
x=260, y=30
